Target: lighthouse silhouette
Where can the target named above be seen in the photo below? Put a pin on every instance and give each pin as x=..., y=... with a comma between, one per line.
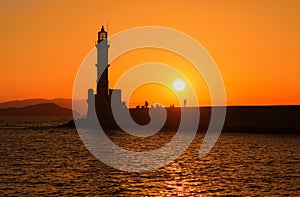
x=100, y=103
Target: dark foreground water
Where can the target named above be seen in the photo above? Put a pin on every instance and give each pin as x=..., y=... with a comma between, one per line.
x=40, y=160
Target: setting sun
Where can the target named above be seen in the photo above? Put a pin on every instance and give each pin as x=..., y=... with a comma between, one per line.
x=178, y=85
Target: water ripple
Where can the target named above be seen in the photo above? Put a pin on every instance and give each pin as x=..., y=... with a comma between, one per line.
x=55, y=162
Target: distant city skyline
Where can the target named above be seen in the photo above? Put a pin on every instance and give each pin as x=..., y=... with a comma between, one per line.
x=256, y=46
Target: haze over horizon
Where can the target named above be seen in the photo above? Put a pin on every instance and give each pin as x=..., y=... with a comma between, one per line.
x=256, y=46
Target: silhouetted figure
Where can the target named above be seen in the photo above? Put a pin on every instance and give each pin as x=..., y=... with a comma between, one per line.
x=184, y=102
x=146, y=104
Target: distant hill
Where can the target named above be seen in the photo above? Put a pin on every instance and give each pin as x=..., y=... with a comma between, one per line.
x=44, y=109
x=67, y=103
x=62, y=102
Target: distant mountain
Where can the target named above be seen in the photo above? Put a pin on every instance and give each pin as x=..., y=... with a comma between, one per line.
x=62, y=102
x=67, y=103
x=44, y=109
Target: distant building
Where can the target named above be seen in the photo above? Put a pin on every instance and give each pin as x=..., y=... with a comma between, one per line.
x=102, y=98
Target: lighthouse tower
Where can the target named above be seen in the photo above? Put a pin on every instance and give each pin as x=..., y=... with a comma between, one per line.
x=102, y=63
x=99, y=104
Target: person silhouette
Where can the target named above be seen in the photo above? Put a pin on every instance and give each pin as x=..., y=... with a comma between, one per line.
x=146, y=104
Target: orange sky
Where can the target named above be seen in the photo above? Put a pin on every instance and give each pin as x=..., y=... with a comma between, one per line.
x=256, y=45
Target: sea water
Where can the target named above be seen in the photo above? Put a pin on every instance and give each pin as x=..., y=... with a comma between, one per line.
x=39, y=159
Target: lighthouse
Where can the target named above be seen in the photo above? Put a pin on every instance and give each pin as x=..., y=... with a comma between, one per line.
x=99, y=104
x=102, y=63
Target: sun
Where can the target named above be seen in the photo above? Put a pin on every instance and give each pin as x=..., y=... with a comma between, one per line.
x=178, y=85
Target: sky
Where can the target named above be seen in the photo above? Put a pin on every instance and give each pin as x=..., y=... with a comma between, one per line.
x=255, y=44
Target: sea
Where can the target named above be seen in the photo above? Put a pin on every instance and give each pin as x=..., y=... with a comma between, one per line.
x=38, y=159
